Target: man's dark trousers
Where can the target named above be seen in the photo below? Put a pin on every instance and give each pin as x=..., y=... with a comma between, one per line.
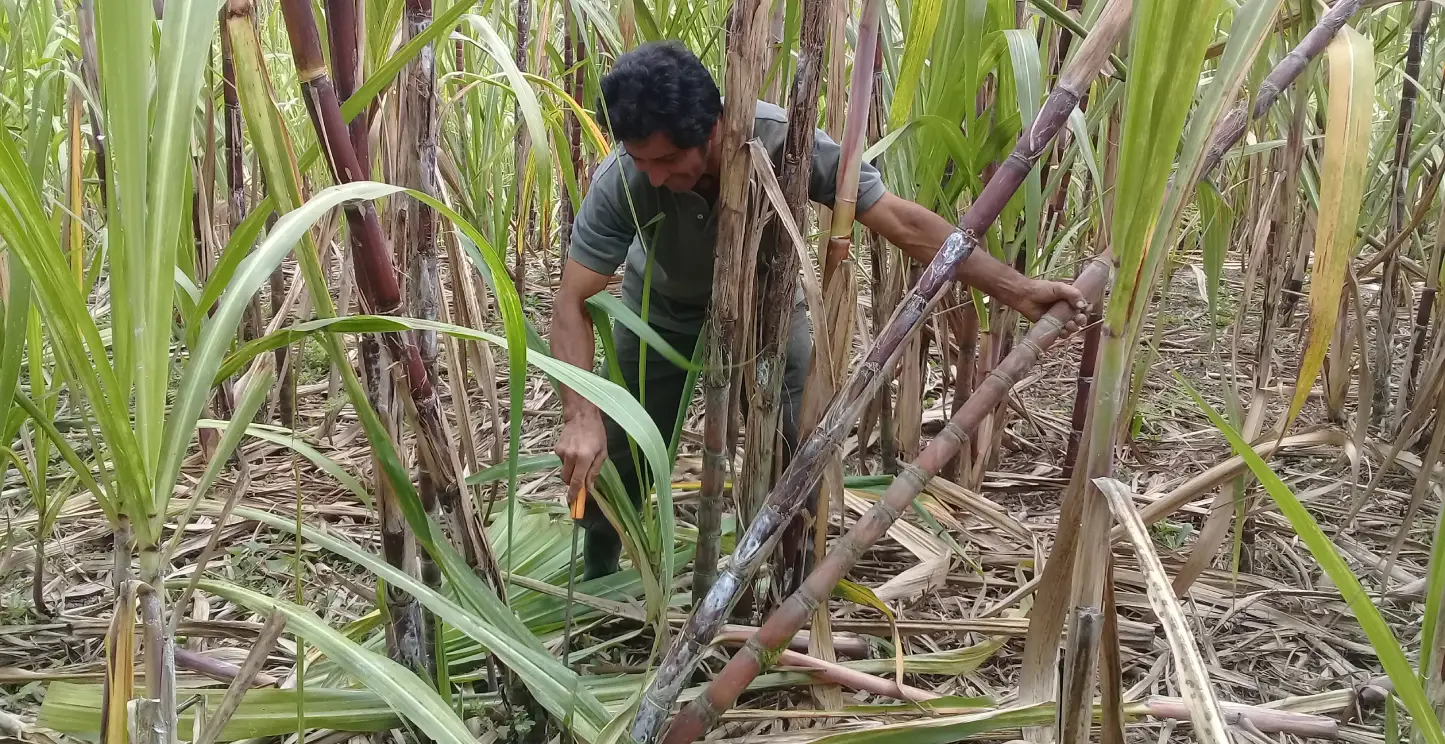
x=665, y=382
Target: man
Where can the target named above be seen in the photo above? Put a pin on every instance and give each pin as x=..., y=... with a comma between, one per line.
x=651, y=206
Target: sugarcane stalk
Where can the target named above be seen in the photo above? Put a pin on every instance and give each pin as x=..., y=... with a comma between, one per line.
x=908, y=415
x=855, y=130
x=1089, y=353
x=1076, y=708
x=573, y=52
x=1425, y=310
x=286, y=385
x=1083, y=385
x=376, y=278
x=840, y=292
x=343, y=26
x=1121, y=328
x=803, y=473
x=1299, y=258
x=1088, y=357
x=160, y=667
x=523, y=215
x=963, y=325
x=235, y=164
x=760, y=649
x=1231, y=126
x=742, y=80
x=1399, y=183
x=882, y=310
x=90, y=73
x=404, y=624
x=1292, y=259
x=415, y=226
x=779, y=264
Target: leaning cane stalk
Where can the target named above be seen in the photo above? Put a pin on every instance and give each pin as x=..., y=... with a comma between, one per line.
x=802, y=475
x=742, y=81
x=765, y=644
x=1231, y=128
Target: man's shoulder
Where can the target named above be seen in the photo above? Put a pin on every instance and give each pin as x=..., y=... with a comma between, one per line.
x=764, y=111
x=770, y=112
x=770, y=126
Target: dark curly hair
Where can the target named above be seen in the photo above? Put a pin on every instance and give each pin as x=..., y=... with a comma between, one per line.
x=661, y=87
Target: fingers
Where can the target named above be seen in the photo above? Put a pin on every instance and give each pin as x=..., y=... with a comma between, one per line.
x=572, y=474
x=1074, y=296
x=594, y=469
x=569, y=467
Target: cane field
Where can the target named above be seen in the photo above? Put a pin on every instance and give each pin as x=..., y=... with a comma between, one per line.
x=277, y=408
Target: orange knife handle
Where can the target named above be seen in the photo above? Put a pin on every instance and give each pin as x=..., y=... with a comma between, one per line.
x=579, y=504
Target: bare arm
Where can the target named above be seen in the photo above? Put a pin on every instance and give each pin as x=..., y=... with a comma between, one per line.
x=582, y=445
x=919, y=233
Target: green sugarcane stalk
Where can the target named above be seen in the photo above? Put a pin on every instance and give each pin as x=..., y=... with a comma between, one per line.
x=1122, y=327
x=802, y=475
x=742, y=81
x=235, y=165
x=523, y=215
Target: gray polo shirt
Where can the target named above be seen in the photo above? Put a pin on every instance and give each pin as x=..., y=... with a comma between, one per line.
x=680, y=228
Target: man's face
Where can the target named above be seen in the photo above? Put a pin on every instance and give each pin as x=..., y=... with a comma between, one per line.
x=667, y=164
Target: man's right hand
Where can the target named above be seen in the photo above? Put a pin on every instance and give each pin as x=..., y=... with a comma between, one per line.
x=582, y=448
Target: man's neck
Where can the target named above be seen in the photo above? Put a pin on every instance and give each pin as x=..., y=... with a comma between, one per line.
x=707, y=186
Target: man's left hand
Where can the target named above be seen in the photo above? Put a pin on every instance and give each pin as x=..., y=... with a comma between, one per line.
x=1036, y=296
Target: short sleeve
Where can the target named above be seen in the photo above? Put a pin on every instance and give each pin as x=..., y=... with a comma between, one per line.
x=823, y=181
x=602, y=230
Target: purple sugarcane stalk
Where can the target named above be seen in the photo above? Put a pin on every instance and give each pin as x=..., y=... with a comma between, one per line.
x=758, y=654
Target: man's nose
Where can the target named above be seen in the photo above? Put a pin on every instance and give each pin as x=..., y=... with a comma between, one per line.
x=657, y=176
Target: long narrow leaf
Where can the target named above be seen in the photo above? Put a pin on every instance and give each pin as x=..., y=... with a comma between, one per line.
x=402, y=690
x=1387, y=647
x=546, y=676
x=1342, y=191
